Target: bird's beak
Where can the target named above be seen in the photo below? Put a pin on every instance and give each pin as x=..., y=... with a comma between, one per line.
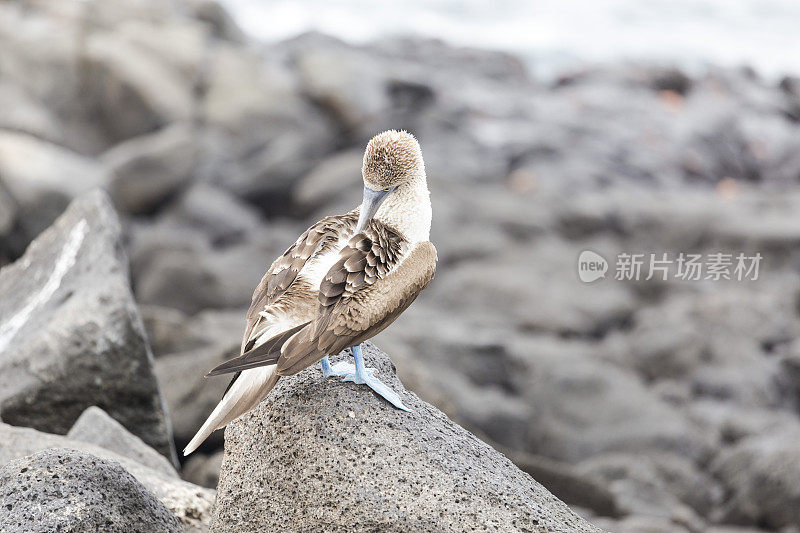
x=370, y=204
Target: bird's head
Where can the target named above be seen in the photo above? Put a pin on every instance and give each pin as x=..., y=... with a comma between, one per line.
x=392, y=159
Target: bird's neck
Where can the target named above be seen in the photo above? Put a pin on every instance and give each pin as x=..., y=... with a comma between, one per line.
x=408, y=210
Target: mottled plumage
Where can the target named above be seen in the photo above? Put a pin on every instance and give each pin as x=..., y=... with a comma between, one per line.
x=342, y=282
x=279, y=288
x=377, y=276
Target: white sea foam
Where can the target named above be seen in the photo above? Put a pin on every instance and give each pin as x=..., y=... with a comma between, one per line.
x=559, y=33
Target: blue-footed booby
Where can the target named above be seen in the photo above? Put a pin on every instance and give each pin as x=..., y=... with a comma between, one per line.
x=341, y=283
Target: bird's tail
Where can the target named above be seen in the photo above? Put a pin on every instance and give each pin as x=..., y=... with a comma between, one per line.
x=246, y=392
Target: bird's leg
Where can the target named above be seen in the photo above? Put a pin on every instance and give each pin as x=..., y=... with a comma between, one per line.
x=366, y=376
x=329, y=371
x=340, y=369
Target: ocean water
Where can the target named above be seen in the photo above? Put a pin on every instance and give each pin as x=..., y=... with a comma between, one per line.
x=558, y=34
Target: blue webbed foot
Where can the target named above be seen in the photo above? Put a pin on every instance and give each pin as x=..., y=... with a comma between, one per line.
x=369, y=379
x=366, y=376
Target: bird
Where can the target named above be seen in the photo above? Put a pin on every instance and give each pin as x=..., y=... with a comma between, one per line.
x=343, y=281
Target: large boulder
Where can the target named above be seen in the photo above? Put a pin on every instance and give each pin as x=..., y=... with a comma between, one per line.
x=96, y=427
x=72, y=491
x=190, y=503
x=324, y=455
x=70, y=334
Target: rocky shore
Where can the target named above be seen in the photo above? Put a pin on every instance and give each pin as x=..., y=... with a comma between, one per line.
x=349, y=463
x=658, y=405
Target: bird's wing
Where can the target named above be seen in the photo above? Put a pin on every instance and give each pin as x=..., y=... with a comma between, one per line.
x=378, y=275
x=319, y=238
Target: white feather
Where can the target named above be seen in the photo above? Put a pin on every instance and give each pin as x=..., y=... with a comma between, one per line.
x=246, y=392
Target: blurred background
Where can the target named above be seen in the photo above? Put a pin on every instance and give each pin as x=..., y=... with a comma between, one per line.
x=222, y=130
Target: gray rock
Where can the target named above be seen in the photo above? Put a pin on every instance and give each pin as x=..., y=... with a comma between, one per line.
x=566, y=482
x=164, y=326
x=107, y=75
x=761, y=475
x=554, y=414
x=484, y=395
x=549, y=396
x=345, y=80
x=790, y=366
x=672, y=340
x=43, y=178
x=244, y=89
x=217, y=213
x=207, y=328
x=8, y=212
x=70, y=334
x=43, y=69
x=168, y=270
x=175, y=266
x=132, y=90
x=144, y=172
x=319, y=454
x=262, y=135
x=642, y=524
x=170, y=33
x=583, y=406
x=198, y=344
x=655, y=484
x=573, y=309
x=734, y=529
x=729, y=423
x=271, y=170
x=24, y=114
x=190, y=503
x=221, y=22
x=202, y=469
x=96, y=427
x=68, y=490
x=448, y=61
x=337, y=178
x=190, y=396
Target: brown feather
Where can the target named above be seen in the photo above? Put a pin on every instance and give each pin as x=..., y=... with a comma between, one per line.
x=262, y=355
x=357, y=309
x=281, y=276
